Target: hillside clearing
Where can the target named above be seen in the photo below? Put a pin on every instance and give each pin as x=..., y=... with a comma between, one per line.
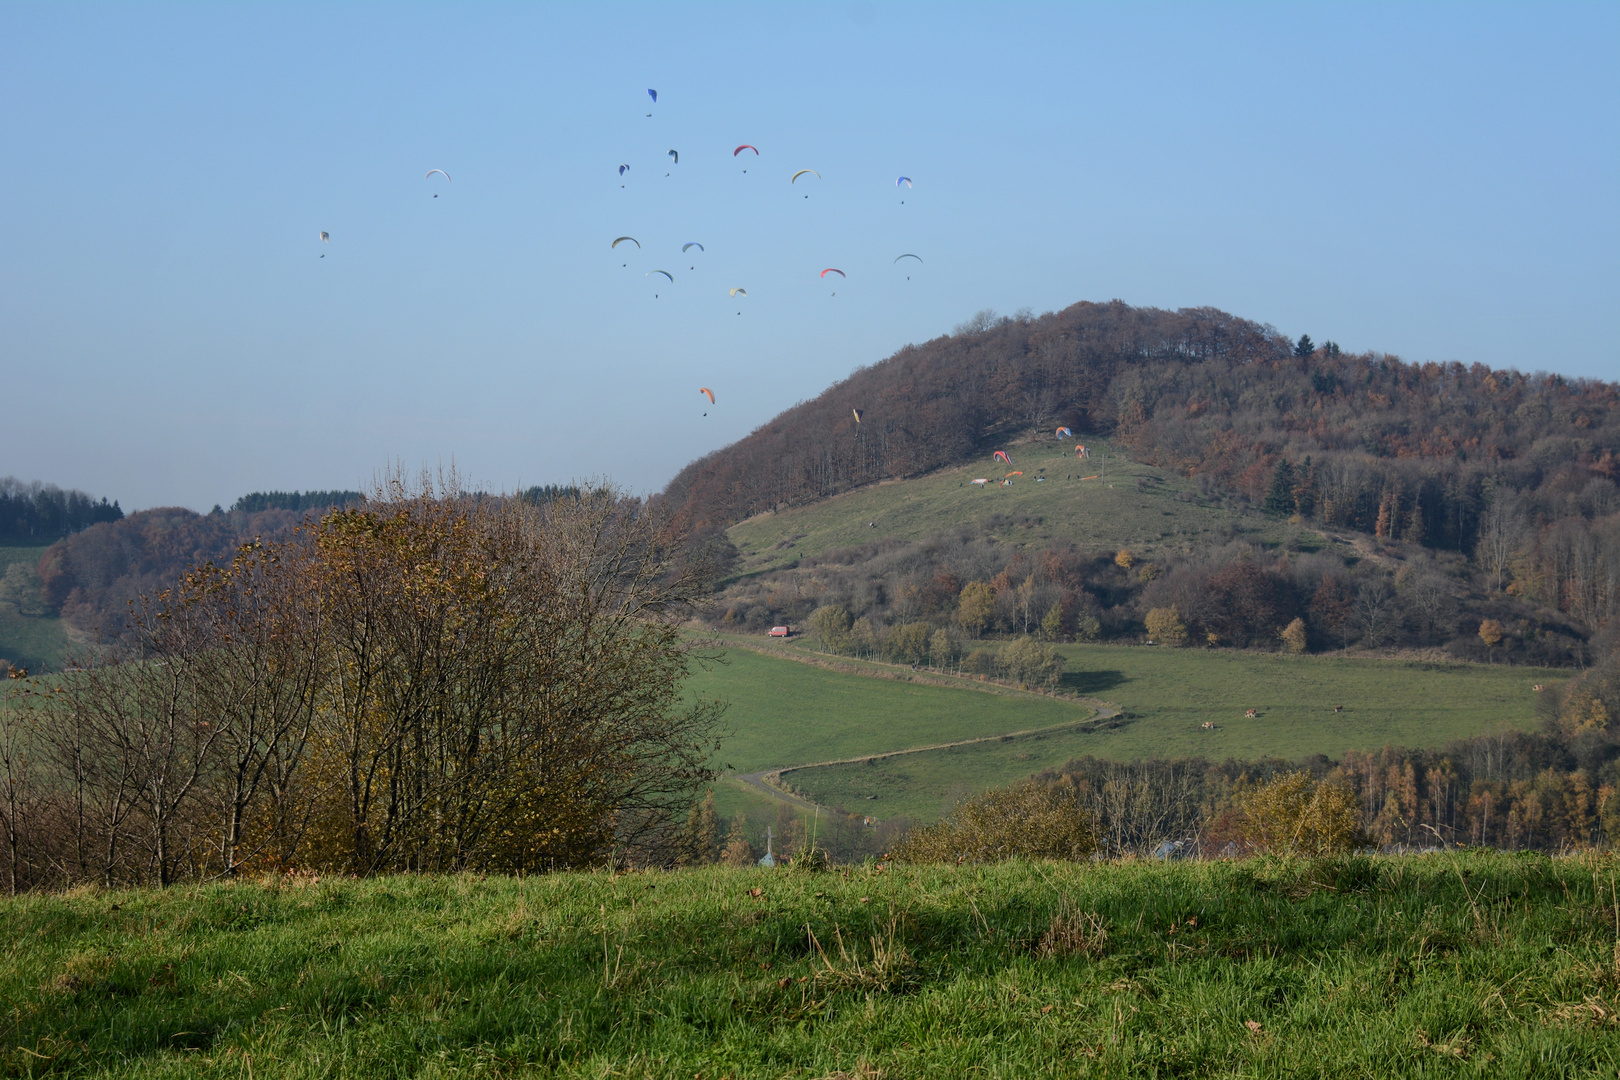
x=1165, y=514
x=1348, y=967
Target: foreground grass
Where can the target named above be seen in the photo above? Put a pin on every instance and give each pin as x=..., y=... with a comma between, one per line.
x=1478, y=964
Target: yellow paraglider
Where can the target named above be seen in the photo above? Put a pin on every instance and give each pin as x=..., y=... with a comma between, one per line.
x=801, y=172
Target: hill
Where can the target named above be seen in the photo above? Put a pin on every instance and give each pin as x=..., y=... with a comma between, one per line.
x=1427, y=966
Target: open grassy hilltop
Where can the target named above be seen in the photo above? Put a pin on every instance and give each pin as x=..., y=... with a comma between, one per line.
x=1163, y=512
x=1437, y=966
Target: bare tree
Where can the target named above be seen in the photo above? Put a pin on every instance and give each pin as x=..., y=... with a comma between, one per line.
x=1501, y=534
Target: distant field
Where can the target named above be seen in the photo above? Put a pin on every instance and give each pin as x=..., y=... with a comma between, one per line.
x=33, y=641
x=1091, y=513
x=785, y=713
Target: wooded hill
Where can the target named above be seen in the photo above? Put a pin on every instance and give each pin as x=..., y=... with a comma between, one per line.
x=1516, y=472
x=1368, y=437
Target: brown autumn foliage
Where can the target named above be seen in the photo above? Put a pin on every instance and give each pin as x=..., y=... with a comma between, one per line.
x=430, y=682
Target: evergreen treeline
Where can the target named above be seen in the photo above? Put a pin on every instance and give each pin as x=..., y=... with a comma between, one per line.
x=42, y=513
x=296, y=501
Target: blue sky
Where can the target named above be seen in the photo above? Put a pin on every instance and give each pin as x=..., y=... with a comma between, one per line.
x=1436, y=181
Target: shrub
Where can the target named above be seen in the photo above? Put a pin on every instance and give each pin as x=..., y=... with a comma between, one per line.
x=1164, y=626
x=832, y=624
x=908, y=644
x=1124, y=559
x=1293, y=637
x=980, y=662
x=1028, y=661
x=1295, y=815
x=1028, y=821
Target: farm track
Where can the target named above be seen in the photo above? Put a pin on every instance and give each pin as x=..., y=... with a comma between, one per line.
x=769, y=781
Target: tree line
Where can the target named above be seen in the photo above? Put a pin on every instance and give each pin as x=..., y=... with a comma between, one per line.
x=38, y=513
x=425, y=682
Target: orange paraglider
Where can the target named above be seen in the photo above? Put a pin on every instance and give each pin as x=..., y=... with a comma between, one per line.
x=707, y=392
x=1002, y=455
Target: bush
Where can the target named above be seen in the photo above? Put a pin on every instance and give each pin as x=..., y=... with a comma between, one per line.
x=1295, y=815
x=832, y=624
x=1164, y=625
x=942, y=649
x=908, y=644
x=980, y=662
x=1029, y=821
x=1028, y=661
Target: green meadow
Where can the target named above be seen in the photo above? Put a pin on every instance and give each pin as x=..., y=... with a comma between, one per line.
x=32, y=641
x=1487, y=965
x=1164, y=513
x=784, y=712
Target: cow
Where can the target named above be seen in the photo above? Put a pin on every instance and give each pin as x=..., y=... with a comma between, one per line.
x=1251, y=714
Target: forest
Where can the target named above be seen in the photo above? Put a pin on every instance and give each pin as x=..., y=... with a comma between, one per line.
x=39, y=513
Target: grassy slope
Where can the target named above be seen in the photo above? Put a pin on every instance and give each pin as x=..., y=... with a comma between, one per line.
x=1360, y=967
x=786, y=713
x=32, y=641
x=1093, y=515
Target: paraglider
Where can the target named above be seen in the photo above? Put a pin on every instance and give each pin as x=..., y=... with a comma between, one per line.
x=1064, y=433
x=982, y=480
x=666, y=273
x=908, y=255
x=676, y=156
x=693, y=244
x=1081, y=452
x=708, y=393
x=739, y=292
x=441, y=172
x=1002, y=455
x=1015, y=472
x=654, y=95
x=622, y=239
x=906, y=180
x=834, y=270
x=801, y=172
x=858, y=414
x=622, y=168
x=326, y=237
x=743, y=147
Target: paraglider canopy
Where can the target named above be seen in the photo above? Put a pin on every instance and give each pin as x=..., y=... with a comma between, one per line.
x=908, y=255
x=676, y=156
x=654, y=95
x=622, y=168
x=743, y=147
x=906, y=180
x=1081, y=452
x=1010, y=475
x=739, y=292
x=1002, y=454
x=441, y=172
x=834, y=270
x=800, y=173
x=666, y=273
x=858, y=414
x=326, y=237
x=693, y=244
x=707, y=392
x=622, y=239
x=1064, y=433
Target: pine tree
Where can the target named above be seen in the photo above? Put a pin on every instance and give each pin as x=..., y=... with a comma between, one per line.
x=1305, y=347
x=1280, y=498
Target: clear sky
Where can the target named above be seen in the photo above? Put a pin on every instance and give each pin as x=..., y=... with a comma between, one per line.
x=1437, y=181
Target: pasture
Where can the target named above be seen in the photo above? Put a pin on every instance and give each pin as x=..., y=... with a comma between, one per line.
x=784, y=712
x=1166, y=513
x=32, y=641
x=1437, y=966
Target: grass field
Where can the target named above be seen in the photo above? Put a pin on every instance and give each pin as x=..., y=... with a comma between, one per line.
x=32, y=641
x=1092, y=514
x=785, y=713
x=1433, y=966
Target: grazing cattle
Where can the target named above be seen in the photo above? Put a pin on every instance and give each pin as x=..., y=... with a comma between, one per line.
x=1338, y=708
x=1207, y=725
x=1538, y=688
x=1251, y=714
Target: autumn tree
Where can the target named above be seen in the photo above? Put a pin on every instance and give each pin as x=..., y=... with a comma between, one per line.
x=975, y=607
